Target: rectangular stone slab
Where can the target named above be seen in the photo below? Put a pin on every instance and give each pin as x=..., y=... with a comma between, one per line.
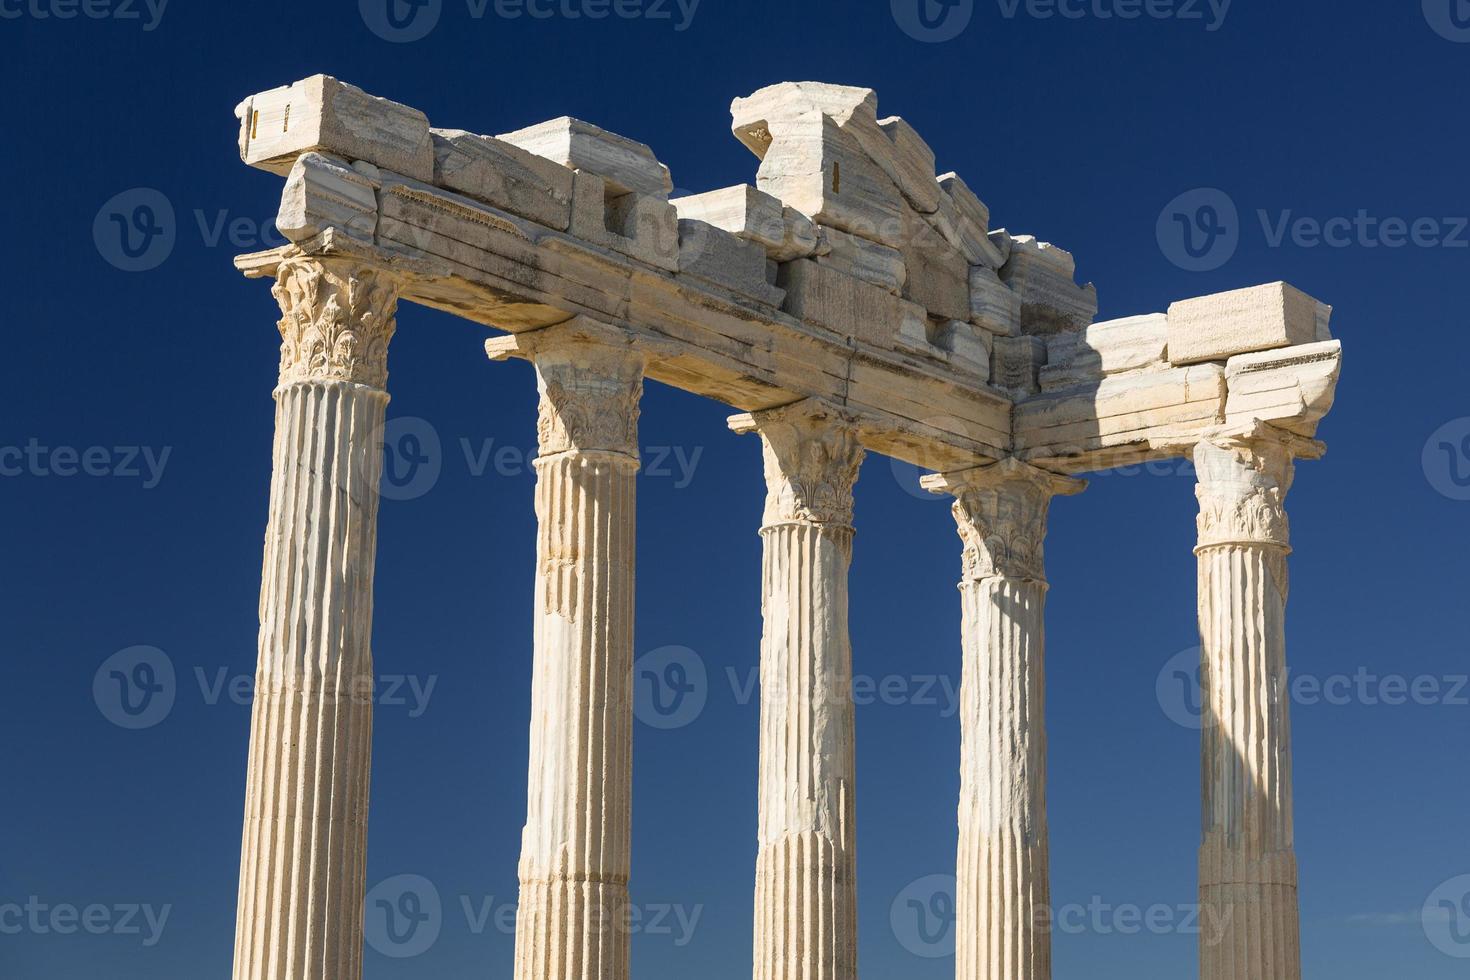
x=1113, y=347
x=626, y=165
x=324, y=192
x=327, y=116
x=847, y=306
x=993, y=306
x=1293, y=387
x=756, y=216
x=863, y=259
x=724, y=260
x=504, y=175
x=1212, y=328
x=1042, y=275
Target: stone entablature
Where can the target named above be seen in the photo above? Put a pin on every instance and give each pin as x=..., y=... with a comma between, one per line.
x=848, y=273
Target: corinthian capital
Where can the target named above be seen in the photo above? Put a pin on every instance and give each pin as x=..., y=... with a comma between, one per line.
x=337, y=317
x=1001, y=512
x=591, y=382
x=812, y=457
x=1244, y=476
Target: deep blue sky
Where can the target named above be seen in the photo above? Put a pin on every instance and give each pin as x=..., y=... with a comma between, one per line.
x=1080, y=131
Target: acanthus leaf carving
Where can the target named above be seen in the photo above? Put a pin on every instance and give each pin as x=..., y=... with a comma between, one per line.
x=1242, y=488
x=338, y=318
x=812, y=457
x=1001, y=512
x=590, y=396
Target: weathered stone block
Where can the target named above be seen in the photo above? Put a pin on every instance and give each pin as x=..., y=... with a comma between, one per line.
x=324, y=115
x=627, y=166
x=1015, y=364
x=755, y=118
x=1291, y=387
x=993, y=305
x=962, y=219
x=969, y=347
x=645, y=228
x=504, y=176
x=938, y=275
x=1116, y=346
x=847, y=306
x=721, y=258
x=1125, y=409
x=756, y=216
x=1042, y=275
x=857, y=256
x=1212, y=328
x=823, y=173
x=823, y=153
x=912, y=165
x=324, y=192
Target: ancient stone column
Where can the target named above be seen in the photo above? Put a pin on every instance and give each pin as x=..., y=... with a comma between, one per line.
x=306, y=798
x=575, y=849
x=806, y=877
x=1002, y=873
x=1250, y=928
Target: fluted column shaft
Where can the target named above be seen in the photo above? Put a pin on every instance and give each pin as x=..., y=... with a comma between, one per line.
x=575, y=850
x=1002, y=872
x=1248, y=872
x=305, y=839
x=806, y=876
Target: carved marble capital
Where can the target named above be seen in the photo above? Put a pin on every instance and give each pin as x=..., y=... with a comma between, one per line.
x=1001, y=513
x=812, y=456
x=337, y=317
x=1244, y=476
x=591, y=382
